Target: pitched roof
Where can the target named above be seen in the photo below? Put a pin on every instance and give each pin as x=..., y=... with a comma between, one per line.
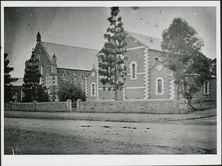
x=152, y=43
x=19, y=82
x=71, y=57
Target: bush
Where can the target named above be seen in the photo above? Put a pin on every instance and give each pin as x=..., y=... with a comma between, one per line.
x=71, y=91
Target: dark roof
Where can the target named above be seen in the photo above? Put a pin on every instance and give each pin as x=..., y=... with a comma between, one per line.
x=71, y=57
x=19, y=82
x=152, y=43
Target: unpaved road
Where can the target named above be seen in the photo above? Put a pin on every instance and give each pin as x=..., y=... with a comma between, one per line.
x=196, y=136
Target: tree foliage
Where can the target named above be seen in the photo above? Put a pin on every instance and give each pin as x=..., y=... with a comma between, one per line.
x=8, y=79
x=111, y=57
x=31, y=88
x=183, y=49
x=70, y=91
x=42, y=94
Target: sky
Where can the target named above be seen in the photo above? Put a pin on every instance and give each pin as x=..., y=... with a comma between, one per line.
x=85, y=27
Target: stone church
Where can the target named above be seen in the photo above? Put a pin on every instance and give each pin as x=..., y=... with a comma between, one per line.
x=147, y=76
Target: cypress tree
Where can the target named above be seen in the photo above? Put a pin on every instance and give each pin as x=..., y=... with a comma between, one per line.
x=31, y=80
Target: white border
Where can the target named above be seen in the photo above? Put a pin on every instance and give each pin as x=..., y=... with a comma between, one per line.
x=116, y=159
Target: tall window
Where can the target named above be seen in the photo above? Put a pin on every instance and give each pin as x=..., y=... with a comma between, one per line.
x=133, y=70
x=206, y=87
x=159, y=86
x=93, y=89
x=159, y=90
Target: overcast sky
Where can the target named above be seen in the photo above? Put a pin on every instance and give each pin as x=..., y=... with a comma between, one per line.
x=85, y=27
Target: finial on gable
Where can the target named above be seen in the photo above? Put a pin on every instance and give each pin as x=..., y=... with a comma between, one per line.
x=38, y=37
x=54, y=58
x=151, y=41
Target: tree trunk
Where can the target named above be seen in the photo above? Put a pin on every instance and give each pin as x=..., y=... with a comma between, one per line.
x=115, y=80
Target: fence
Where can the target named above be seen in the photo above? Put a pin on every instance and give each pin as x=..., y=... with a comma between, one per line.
x=42, y=106
x=135, y=106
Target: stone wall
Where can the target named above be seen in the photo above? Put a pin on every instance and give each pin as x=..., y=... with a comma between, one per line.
x=165, y=106
x=43, y=106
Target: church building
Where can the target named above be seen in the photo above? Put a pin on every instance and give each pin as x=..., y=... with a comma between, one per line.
x=60, y=63
x=147, y=75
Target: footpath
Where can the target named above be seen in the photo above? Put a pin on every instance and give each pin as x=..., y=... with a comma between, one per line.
x=112, y=117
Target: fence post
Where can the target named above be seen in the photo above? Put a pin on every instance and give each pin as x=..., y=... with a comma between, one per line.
x=69, y=105
x=78, y=105
x=183, y=105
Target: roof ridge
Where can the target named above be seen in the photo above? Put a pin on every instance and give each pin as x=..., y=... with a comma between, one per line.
x=142, y=35
x=70, y=46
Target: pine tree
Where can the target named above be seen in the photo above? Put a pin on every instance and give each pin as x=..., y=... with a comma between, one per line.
x=111, y=57
x=31, y=88
x=8, y=79
x=190, y=67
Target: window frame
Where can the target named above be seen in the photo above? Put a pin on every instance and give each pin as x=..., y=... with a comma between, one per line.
x=133, y=70
x=157, y=86
x=208, y=87
x=93, y=83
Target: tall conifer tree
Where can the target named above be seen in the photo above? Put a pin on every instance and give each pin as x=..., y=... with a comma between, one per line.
x=31, y=88
x=8, y=80
x=111, y=57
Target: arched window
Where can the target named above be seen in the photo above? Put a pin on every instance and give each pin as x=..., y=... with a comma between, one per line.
x=206, y=87
x=64, y=76
x=159, y=86
x=133, y=70
x=93, y=89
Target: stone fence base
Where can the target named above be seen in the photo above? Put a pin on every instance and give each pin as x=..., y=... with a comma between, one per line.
x=135, y=106
x=42, y=106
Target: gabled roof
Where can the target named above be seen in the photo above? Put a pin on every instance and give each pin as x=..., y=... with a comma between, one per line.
x=158, y=62
x=71, y=57
x=19, y=82
x=94, y=69
x=152, y=43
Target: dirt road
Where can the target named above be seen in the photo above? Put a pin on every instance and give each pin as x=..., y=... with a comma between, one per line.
x=189, y=137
